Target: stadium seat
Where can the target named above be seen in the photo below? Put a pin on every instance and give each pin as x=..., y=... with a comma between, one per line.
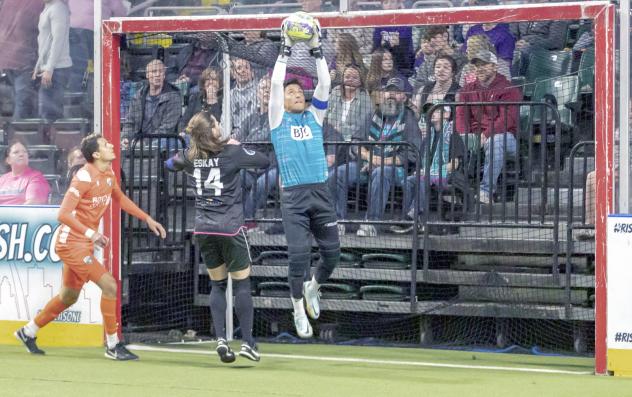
x=349, y=260
x=384, y=293
x=432, y=4
x=31, y=131
x=545, y=65
x=67, y=133
x=385, y=261
x=586, y=72
x=54, y=181
x=278, y=289
x=339, y=291
x=272, y=258
x=43, y=158
x=565, y=89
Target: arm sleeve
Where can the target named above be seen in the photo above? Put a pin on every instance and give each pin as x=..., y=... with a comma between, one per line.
x=252, y=159
x=72, y=197
x=60, y=25
x=37, y=190
x=276, y=107
x=321, y=92
x=128, y=205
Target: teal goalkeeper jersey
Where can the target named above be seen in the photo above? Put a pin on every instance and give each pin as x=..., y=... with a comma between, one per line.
x=298, y=144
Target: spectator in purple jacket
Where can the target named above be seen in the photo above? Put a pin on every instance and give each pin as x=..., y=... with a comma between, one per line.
x=397, y=39
x=504, y=42
x=18, y=41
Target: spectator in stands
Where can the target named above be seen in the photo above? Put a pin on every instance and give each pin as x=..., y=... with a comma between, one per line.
x=350, y=104
x=22, y=185
x=243, y=95
x=258, y=184
x=347, y=53
x=381, y=70
x=363, y=36
x=443, y=88
x=82, y=35
x=157, y=107
x=191, y=61
x=208, y=97
x=18, y=40
x=383, y=165
x=425, y=50
x=495, y=124
x=53, y=63
x=503, y=41
x=74, y=161
x=440, y=43
x=260, y=47
x=397, y=39
x=538, y=35
x=444, y=148
x=475, y=44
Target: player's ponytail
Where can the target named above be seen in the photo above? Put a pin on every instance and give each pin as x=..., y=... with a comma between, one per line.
x=206, y=136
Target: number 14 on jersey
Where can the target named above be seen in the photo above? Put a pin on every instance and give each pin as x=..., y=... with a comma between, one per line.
x=212, y=182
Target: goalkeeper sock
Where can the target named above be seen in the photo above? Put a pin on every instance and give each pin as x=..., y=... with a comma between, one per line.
x=111, y=340
x=108, y=310
x=218, y=307
x=50, y=312
x=244, y=308
x=31, y=329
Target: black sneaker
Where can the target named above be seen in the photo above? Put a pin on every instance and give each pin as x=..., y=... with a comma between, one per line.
x=120, y=353
x=224, y=351
x=250, y=352
x=28, y=342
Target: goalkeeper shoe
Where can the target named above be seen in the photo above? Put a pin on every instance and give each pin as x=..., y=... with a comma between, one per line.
x=250, y=351
x=120, y=353
x=303, y=328
x=224, y=351
x=312, y=300
x=28, y=342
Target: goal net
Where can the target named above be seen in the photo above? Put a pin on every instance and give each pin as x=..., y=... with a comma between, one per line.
x=459, y=145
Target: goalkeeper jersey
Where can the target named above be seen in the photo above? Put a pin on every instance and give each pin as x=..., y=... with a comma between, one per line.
x=298, y=144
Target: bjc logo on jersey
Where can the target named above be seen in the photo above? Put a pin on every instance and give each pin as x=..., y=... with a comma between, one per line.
x=301, y=133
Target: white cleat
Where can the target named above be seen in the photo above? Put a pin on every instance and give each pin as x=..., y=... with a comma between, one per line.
x=312, y=300
x=303, y=328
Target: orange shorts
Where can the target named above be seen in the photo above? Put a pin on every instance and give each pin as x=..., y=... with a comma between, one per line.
x=80, y=265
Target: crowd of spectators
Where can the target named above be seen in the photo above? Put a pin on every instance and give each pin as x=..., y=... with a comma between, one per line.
x=384, y=81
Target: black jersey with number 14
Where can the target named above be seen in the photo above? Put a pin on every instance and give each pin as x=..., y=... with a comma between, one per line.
x=217, y=184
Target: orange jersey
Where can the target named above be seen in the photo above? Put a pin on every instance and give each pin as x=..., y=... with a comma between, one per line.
x=86, y=200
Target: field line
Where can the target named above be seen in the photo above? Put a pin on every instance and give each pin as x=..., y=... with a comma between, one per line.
x=370, y=361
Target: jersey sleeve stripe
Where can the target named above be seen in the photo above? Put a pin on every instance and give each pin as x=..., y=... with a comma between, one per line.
x=318, y=104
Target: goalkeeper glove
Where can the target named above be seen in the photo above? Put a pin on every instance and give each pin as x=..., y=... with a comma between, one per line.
x=314, y=43
x=286, y=41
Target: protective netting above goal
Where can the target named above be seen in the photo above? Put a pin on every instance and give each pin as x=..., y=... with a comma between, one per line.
x=460, y=227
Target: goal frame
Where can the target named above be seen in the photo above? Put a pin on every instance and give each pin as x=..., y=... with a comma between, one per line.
x=601, y=13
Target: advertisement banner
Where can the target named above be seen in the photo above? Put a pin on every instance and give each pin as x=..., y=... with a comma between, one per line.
x=31, y=274
x=619, y=295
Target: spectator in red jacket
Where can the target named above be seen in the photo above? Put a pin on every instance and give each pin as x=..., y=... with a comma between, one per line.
x=496, y=124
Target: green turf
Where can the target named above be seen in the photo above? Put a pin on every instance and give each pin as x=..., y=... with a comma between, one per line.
x=85, y=372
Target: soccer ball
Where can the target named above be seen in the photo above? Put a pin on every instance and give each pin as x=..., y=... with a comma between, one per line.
x=300, y=26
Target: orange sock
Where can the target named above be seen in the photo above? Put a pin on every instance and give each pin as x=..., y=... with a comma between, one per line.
x=108, y=310
x=50, y=311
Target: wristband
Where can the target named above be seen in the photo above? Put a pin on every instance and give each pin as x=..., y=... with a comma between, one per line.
x=316, y=52
x=89, y=233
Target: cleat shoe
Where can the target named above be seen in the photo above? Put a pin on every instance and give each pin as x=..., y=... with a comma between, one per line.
x=250, y=352
x=312, y=300
x=120, y=353
x=224, y=351
x=28, y=342
x=303, y=328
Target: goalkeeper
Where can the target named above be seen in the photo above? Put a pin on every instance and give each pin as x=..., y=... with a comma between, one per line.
x=306, y=202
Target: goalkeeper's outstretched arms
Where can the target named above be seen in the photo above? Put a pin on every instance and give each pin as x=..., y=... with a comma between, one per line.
x=321, y=93
x=276, y=105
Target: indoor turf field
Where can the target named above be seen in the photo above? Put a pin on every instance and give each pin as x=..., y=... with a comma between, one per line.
x=300, y=370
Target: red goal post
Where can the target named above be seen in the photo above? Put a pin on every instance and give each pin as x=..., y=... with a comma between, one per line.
x=601, y=13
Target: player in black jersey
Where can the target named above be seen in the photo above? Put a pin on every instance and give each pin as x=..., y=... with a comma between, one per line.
x=213, y=164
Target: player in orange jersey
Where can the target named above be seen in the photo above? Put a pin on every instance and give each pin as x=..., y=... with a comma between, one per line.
x=86, y=200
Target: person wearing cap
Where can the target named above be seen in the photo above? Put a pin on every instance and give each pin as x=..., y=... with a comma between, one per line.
x=501, y=38
x=495, y=124
x=384, y=165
